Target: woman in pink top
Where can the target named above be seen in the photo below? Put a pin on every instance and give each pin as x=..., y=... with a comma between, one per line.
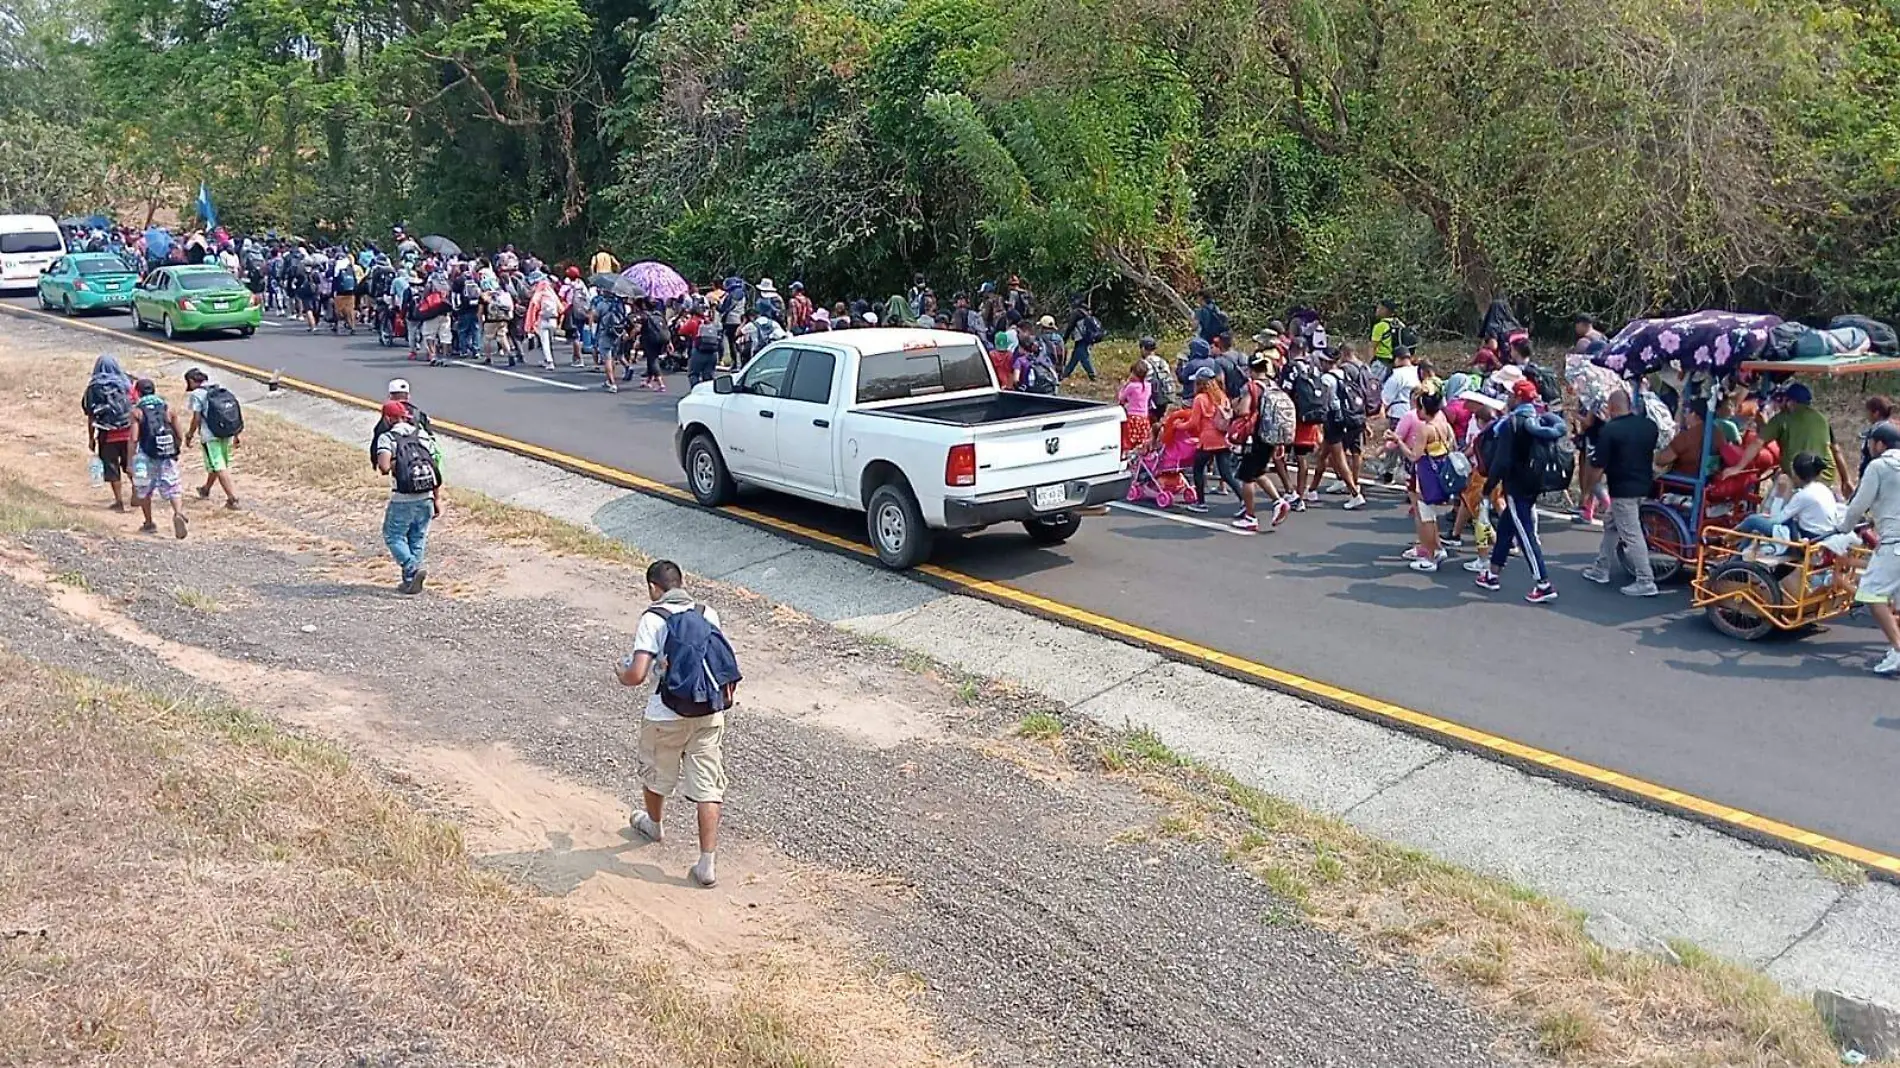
x=1134, y=397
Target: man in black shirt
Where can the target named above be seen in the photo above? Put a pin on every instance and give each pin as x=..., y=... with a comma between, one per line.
x=1626, y=452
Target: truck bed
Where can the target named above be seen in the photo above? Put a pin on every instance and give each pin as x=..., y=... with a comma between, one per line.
x=1001, y=407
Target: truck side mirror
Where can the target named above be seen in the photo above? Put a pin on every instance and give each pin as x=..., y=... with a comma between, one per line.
x=722, y=384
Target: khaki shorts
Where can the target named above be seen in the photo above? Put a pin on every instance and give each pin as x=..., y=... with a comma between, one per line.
x=684, y=753
x=1880, y=583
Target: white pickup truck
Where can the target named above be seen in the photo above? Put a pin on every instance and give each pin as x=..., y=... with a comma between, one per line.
x=907, y=426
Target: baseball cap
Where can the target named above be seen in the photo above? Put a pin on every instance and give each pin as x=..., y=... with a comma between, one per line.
x=1524, y=391
x=398, y=385
x=1260, y=359
x=1800, y=393
x=1047, y=322
x=1147, y=344
x=196, y=374
x=1205, y=373
x=1885, y=433
x=145, y=387
x=395, y=411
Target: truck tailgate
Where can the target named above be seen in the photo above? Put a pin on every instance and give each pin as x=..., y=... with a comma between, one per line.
x=1086, y=444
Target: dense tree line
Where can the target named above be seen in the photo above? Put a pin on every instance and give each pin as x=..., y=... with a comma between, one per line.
x=1616, y=156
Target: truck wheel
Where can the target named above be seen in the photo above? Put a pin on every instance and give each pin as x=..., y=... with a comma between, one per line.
x=897, y=527
x=1054, y=530
x=706, y=473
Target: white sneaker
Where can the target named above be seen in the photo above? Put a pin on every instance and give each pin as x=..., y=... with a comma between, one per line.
x=1245, y=522
x=644, y=824
x=1597, y=575
x=1890, y=665
x=1640, y=589
x=1427, y=566
x=1312, y=497
x=1412, y=554
x=1358, y=501
x=1477, y=566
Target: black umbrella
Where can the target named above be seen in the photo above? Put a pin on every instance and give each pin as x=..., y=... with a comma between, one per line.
x=441, y=246
x=617, y=284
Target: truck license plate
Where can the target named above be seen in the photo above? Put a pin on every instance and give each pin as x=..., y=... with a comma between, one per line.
x=1047, y=497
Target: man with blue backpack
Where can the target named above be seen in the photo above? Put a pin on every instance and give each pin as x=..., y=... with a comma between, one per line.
x=685, y=722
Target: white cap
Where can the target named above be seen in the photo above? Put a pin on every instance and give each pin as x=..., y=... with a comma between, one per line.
x=399, y=385
x=870, y=317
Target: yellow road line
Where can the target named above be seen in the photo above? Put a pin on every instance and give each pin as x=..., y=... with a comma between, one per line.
x=1749, y=823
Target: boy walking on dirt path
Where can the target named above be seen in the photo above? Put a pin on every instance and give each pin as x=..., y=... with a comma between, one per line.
x=108, y=402
x=155, y=458
x=407, y=454
x=215, y=442
x=685, y=722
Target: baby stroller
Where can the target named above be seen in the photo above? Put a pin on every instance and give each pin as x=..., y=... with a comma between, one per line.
x=1160, y=472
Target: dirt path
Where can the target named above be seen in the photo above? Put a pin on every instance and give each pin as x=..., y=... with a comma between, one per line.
x=901, y=873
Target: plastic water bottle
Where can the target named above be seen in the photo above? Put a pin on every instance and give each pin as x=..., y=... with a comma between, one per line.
x=96, y=471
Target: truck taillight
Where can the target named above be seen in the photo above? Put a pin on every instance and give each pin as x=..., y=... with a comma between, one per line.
x=959, y=469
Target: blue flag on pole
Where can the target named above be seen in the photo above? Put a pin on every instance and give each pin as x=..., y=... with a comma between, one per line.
x=206, y=209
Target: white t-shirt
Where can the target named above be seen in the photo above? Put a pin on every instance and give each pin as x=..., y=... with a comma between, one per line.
x=650, y=637
x=1813, y=510
x=1396, y=394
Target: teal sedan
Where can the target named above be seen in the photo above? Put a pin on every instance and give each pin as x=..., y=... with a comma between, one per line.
x=186, y=300
x=87, y=281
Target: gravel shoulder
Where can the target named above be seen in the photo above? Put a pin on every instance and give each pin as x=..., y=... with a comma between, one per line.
x=942, y=885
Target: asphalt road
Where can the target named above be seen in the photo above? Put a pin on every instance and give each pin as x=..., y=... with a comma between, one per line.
x=1793, y=728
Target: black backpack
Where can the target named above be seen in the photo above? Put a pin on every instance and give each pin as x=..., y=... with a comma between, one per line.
x=223, y=415
x=1089, y=330
x=156, y=439
x=108, y=406
x=412, y=463
x=1353, y=381
x=1550, y=388
x=1550, y=462
x=1309, y=402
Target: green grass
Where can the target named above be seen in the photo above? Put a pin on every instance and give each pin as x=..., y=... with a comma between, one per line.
x=1841, y=870
x=195, y=600
x=1039, y=725
x=75, y=579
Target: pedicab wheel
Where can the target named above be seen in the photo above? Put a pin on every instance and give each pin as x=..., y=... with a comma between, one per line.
x=1164, y=500
x=1670, y=545
x=1734, y=616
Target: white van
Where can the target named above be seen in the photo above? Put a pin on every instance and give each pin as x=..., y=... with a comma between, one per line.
x=27, y=244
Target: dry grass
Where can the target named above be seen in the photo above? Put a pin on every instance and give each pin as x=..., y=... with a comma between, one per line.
x=1519, y=956
x=277, y=448
x=215, y=891
x=25, y=507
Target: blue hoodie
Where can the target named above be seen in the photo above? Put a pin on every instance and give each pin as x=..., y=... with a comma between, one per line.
x=1510, y=450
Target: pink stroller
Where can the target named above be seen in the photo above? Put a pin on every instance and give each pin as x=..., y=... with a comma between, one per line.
x=1160, y=472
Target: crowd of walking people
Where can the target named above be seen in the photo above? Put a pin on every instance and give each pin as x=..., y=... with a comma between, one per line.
x=1276, y=428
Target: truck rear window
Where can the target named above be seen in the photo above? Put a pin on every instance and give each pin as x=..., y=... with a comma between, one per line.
x=921, y=372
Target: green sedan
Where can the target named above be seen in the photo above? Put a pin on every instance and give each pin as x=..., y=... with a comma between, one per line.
x=185, y=300
x=87, y=281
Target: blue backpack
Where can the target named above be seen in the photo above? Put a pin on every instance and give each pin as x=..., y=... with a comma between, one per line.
x=701, y=669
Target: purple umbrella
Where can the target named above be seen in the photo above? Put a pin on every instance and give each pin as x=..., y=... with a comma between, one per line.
x=657, y=280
